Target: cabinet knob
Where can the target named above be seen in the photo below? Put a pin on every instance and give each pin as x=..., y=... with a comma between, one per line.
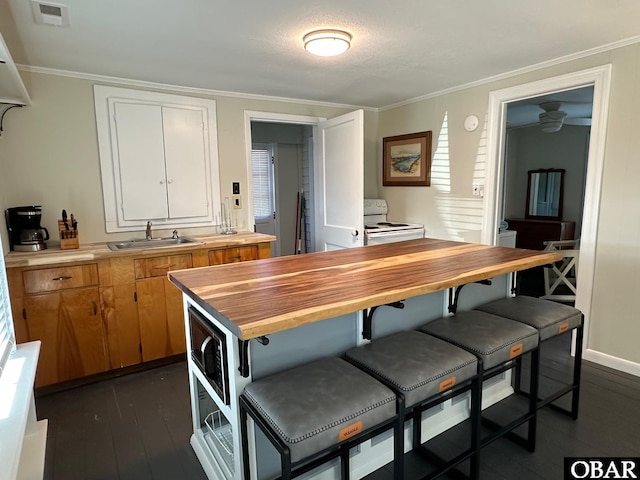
x=170, y=181
x=354, y=233
x=161, y=182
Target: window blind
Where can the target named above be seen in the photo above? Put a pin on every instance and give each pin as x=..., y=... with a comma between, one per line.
x=7, y=336
x=262, y=191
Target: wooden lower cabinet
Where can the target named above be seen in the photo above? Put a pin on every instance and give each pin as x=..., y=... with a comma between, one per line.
x=117, y=312
x=120, y=313
x=233, y=255
x=69, y=324
x=161, y=318
x=160, y=314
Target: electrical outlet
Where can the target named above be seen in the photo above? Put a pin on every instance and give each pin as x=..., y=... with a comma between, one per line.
x=237, y=203
x=477, y=190
x=235, y=186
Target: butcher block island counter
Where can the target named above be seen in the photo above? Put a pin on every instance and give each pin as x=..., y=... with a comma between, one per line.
x=273, y=314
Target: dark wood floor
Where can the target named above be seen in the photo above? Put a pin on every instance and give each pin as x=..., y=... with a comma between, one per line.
x=138, y=427
x=135, y=427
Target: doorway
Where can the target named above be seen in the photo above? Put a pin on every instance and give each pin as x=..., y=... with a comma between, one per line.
x=334, y=198
x=547, y=132
x=600, y=79
x=289, y=141
x=282, y=159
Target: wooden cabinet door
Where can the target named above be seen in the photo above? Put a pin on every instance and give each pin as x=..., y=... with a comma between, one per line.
x=160, y=314
x=69, y=324
x=233, y=255
x=120, y=312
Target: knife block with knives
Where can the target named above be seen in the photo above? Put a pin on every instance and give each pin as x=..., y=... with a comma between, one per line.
x=68, y=229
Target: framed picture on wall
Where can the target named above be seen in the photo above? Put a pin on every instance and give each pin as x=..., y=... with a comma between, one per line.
x=406, y=160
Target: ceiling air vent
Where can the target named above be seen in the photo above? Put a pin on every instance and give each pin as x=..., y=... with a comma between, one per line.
x=46, y=13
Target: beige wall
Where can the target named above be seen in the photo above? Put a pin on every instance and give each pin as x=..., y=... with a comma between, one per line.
x=450, y=211
x=48, y=155
x=49, y=152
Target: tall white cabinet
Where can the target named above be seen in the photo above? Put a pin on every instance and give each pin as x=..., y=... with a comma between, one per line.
x=159, y=159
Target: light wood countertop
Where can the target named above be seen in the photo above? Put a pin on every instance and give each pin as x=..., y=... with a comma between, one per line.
x=96, y=251
x=267, y=296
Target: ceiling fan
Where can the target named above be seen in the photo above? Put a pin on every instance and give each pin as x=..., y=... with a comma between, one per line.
x=552, y=119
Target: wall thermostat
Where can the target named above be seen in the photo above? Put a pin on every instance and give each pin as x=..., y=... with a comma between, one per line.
x=471, y=123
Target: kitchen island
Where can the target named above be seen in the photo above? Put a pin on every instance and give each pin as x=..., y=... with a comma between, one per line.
x=275, y=313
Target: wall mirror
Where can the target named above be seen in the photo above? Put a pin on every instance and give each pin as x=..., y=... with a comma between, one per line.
x=544, y=194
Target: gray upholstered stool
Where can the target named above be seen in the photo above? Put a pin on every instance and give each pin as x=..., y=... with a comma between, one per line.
x=497, y=342
x=550, y=319
x=426, y=371
x=318, y=411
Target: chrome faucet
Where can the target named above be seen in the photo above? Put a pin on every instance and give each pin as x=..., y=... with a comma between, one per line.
x=148, y=232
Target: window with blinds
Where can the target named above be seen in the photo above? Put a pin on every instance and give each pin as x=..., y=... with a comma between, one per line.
x=262, y=171
x=7, y=336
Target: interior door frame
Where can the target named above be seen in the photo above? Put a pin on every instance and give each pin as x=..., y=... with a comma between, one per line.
x=600, y=78
x=269, y=117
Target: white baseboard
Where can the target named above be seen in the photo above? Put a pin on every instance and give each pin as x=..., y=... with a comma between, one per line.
x=610, y=361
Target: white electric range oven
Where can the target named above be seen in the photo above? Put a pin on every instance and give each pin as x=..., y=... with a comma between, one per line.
x=378, y=229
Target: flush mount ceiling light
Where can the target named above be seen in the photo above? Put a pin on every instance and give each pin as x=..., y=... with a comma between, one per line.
x=327, y=43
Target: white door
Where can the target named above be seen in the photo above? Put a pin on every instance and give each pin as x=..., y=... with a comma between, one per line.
x=339, y=181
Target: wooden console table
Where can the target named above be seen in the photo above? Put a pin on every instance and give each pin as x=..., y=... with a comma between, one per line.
x=532, y=233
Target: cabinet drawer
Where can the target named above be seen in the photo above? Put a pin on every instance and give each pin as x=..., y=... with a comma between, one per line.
x=159, y=266
x=233, y=255
x=60, y=278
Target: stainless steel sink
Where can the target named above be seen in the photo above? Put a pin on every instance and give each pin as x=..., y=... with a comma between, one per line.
x=142, y=243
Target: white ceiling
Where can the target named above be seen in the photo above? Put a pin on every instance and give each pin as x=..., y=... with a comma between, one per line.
x=576, y=103
x=400, y=51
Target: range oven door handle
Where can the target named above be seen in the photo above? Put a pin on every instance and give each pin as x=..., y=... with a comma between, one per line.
x=395, y=233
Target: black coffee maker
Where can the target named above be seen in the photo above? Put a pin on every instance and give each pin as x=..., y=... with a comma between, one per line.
x=25, y=232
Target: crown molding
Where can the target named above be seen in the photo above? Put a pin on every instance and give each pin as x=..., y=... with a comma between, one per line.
x=181, y=88
x=222, y=93
x=520, y=71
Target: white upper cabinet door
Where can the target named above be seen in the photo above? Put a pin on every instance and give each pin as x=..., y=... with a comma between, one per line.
x=185, y=157
x=139, y=159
